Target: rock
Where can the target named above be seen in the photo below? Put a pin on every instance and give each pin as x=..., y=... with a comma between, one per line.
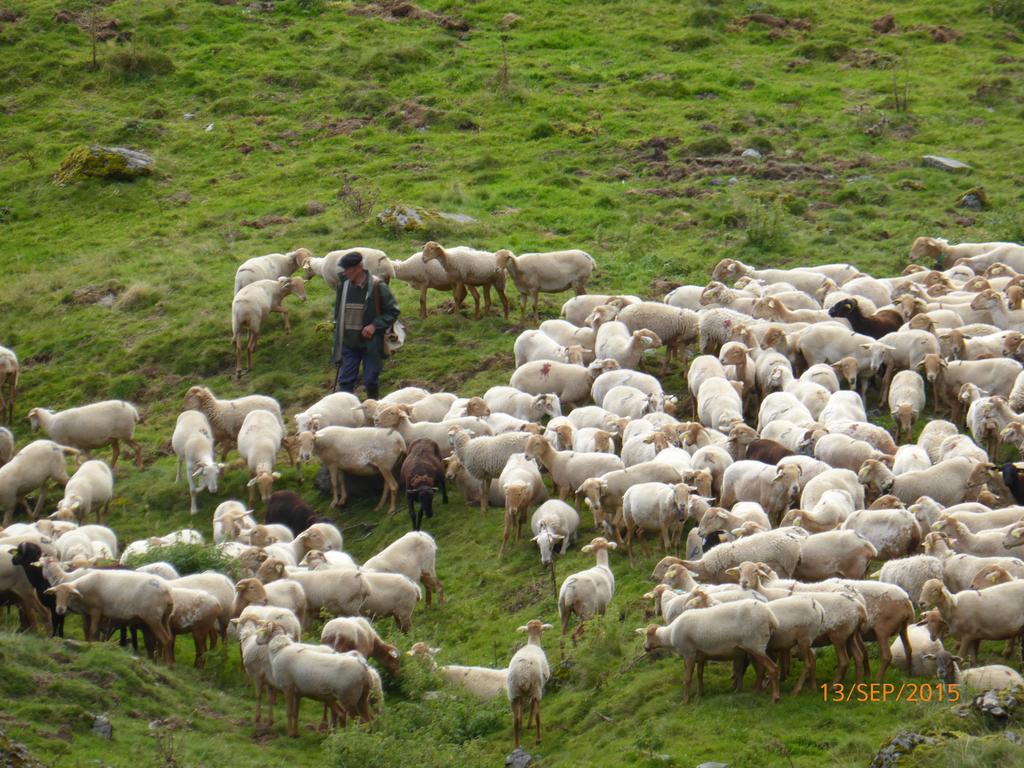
x=944, y=163
x=751, y=154
x=944, y=35
x=314, y=208
x=102, y=727
x=964, y=221
x=508, y=21
x=713, y=765
x=884, y=25
x=188, y=116
x=117, y=163
x=208, y=128
x=518, y=759
x=266, y=221
x=412, y=218
x=974, y=199
x=903, y=743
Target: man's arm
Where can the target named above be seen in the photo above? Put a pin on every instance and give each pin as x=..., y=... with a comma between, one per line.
x=388, y=308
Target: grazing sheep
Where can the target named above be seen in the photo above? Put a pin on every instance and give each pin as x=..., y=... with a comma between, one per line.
x=422, y=474
x=528, y=673
x=252, y=305
x=30, y=469
x=192, y=442
x=389, y=594
x=412, y=555
x=226, y=416
x=587, y=593
x=338, y=409
x=259, y=440
x=553, y=523
x=521, y=483
x=9, y=370
x=469, y=268
x=482, y=682
x=271, y=267
x=291, y=510
x=91, y=487
x=195, y=613
x=91, y=426
x=991, y=614
x=359, y=451
x=571, y=383
x=778, y=549
x=654, y=507
x=550, y=272
x=357, y=634
x=328, y=269
x=675, y=327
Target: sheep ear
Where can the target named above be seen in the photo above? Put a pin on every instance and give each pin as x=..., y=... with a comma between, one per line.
x=929, y=656
x=546, y=627
x=393, y=653
x=276, y=475
x=732, y=572
x=279, y=567
x=523, y=628
x=612, y=545
x=586, y=548
x=641, y=631
x=251, y=483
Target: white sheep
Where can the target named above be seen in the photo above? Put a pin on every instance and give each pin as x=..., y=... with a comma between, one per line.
x=6, y=445
x=338, y=409
x=616, y=342
x=528, y=673
x=229, y=520
x=226, y=416
x=192, y=442
x=91, y=487
x=512, y=401
x=587, y=593
x=521, y=483
x=328, y=268
x=778, y=549
x=252, y=306
x=354, y=633
x=468, y=268
x=389, y=594
x=675, y=327
x=893, y=532
x=567, y=335
x=577, y=310
x=359, y=451
x=569, y=469
x=482, y=682
x=423, y=275
x=9, y=370
x=29, y=470
x=571, y=383
x=255, y=658
x=271, y=267
x=259, y=440
x=550, y=272
x=948, y=482
x=485, y=457
x=654, y=507
x=282, y=593
x=991, y=614
x=91, y=426
x=412, y=555
x=911, y=573
x=554, y=523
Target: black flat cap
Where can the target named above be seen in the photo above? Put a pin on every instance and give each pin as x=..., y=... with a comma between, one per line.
x=351, y=259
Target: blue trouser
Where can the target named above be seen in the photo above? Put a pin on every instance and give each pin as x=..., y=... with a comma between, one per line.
x=349, y=371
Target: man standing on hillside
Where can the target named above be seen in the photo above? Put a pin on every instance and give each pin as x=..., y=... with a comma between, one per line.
x=364, y=308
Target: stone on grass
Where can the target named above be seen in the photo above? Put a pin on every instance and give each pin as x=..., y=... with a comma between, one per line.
x=518, y=758
x=102, y=727
x=91, y=161
x=751, y=154
x=944, y=163
x=413, y=218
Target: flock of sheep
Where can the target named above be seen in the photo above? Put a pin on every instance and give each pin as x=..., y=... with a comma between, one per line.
x=790, y=492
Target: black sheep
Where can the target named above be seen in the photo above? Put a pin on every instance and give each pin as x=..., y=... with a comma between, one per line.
x=289, y=509
x=26, y=555
x=423, y=473
x=876, y=326
x=1013, y=480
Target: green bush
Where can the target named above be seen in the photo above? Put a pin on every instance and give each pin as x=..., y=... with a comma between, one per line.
x=541, y=130
x=189, y=558
x=765, y=228
x=712, y=145
x=1008, y=10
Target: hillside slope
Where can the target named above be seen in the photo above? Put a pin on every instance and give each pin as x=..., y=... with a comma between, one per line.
x=615, y=127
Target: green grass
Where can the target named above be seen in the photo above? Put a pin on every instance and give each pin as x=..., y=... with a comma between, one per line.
x=599, y=125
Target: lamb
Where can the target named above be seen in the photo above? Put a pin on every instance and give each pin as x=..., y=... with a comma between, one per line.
x=282, y=593
x=571, y=383
x=911, y=573
x=997, y=677
x=718, y=632
x=9, y=370
x=469, y=486
x=992, y=614
x=482, y=682
x=774, y=489
x=259, y=440
x=271, y=267
x=252, y=305
x=195, y=613
x=654, y=507
x=422, y=474
x=328, y=269
x=255, y=659
x=226, y=416
x=569, y=469
x=6, y=445
x=192, y=442
x=229, y=520
x=528, y=673
x=359, y=451
x=289, y=509
x=91, y=426
x=485, y=457
x=553, y=523
x=779, y=550
x=567, y=335
x=357, y=634
x=948, y=482
x=91, y=487
x=550, y=272
x=469, y=268
x=578, y=309
x=338, y=409
x=614, y=341
x=587, y=593
x=906, y=401
x=341, y=681
x=412, y=555
x=521, y=483
x=30, y=469
x=120, y=596
x=389, y=594
x=675, y=327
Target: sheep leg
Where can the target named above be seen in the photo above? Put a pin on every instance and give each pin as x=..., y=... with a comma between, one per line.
x=137, y=447
x=271, y=701
x=504, y=303
x=506, y=529
x=536, y=716
x=739, y=669
x=199, y=640
x=250, y=348
x=905, y=640
x=842, y=657
x=809, y=666
x=688, y=677
x=629, y=544
x=444, y=490
x=283, y=311
x=487, y=301
x=115, y=451
x=323, y=718
x=485, y=489
x=860, y=651
x=432, y=583
x=517, y=721
x=773, y=671
x=423, y=302
x=259, y=699
x=39, y=503
x=177, y=476
x=390, y=489
x=412, y=511
x=476, y=300
x=237, y=341
x=292, y=707
x=524, y=298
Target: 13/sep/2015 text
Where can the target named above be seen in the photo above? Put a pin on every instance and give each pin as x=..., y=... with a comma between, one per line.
x=864, y=693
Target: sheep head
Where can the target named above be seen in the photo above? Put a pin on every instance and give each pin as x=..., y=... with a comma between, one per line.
x=663, y=565
x=931, y=593
x=271, y=569
x=433, y=251
x=946, y=665
x=66, y=596
x=598, y=544
x=301, y=257
x=926, y=248
x=249, y=592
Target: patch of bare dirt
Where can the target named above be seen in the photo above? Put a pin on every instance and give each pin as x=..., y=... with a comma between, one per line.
x=884, y=25
x=266, y=221
x=105, y=295
x=106, y=29
x=499, y=360
x=412, y=114
x=9, y=16
x=398, y=10
x=944, y=34
x=771, y=169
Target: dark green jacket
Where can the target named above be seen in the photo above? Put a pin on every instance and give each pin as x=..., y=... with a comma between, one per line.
x=388, y=314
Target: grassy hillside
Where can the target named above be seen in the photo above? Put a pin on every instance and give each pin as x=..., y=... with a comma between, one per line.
x=616, y=127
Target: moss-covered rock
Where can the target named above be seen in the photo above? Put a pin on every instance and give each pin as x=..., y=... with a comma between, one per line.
x=413, y=218
x=116, y=163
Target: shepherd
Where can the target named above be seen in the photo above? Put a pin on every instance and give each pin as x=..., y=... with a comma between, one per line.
x=364, y=309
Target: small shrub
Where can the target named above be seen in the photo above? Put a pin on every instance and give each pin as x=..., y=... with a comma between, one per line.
x=712, y=145
x=189, y=558
x=139, y=64
x=1011, y=11
x=825, y=50
x=761, y=144
x=691, y=43
x=765, y=229
x=705, y=16
x=541, y=130
x=231, y=105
